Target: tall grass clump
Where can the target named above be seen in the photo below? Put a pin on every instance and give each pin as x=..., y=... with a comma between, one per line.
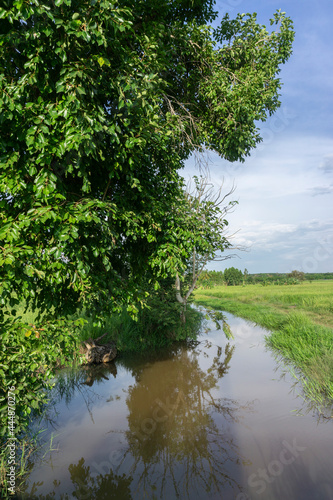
x=309, y=347
x=156, y=326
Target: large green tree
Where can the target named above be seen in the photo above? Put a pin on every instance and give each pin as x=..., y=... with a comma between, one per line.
x=101, y=103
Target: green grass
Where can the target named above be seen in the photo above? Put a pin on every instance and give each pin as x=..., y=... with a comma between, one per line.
x=300, y=318
x=315, y=299
x=156, y=327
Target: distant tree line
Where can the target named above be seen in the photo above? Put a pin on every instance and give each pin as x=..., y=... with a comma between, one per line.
x=233, y=276
x=283, y=277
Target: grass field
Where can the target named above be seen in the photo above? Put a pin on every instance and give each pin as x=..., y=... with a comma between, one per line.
x=300, y=318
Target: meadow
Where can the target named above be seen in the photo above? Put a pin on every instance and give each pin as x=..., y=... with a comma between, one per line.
x=300, y=320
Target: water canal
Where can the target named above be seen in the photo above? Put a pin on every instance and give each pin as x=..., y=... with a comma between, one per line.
x=220, y=419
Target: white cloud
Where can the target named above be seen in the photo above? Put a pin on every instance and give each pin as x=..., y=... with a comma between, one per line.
x=279, y=247
x=327, y=164
x=321, y=190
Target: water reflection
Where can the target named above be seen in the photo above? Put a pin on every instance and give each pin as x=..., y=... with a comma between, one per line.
x=86, y=486
x=179, y=440
x=70, y=383
x=180, y=431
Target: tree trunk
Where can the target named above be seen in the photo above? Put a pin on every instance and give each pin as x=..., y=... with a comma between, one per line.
x=181, y=300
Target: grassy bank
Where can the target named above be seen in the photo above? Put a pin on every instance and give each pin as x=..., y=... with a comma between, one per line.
x=300, y=318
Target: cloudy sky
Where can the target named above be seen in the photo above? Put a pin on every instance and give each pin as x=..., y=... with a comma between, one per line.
x=285, y=189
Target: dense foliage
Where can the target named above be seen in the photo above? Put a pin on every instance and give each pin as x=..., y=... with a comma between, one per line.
x=101, y=103
x=298, y=275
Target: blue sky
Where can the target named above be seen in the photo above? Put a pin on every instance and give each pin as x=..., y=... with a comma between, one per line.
x=285, y=189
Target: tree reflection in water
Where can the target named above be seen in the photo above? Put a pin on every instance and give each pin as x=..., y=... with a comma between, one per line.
x=180, y=430
x=71, y=382
x=88, y=487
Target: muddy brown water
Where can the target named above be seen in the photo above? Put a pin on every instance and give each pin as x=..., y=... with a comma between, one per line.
x=221, y=419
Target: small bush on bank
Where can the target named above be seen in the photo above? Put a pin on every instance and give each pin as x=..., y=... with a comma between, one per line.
x=158, y=324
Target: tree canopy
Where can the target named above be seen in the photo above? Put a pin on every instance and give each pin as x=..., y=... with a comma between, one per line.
x=101, y=103
x=233, y=276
